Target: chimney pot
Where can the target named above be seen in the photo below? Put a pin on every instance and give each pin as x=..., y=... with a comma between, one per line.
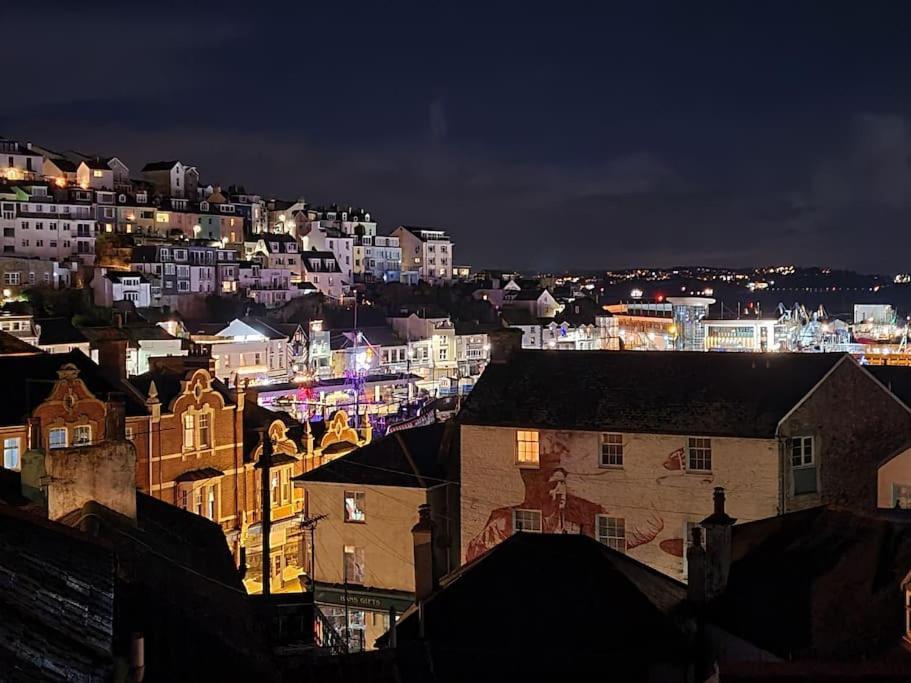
x=718, y=498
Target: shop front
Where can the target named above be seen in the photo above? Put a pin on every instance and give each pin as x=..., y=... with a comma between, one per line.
x=364, y=612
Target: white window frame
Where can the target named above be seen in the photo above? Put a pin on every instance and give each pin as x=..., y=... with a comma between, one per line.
x=526, y=520
x=82, y=435
x=57, y=430
x=699, y=448
x=801, y=443
x=611, y=447
x=12, y=452
x=612, y=533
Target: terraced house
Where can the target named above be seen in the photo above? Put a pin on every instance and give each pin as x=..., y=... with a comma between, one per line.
x=627, y=446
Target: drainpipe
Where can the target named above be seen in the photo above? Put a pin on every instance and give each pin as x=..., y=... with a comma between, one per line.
x=782, y=477
x=265, y=461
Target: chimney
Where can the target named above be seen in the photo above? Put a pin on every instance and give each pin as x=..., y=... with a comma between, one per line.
x=717, y=547
x=504, y=343
x=424, y=574
x=115, y=418
x=112, y=358
x=695, y=569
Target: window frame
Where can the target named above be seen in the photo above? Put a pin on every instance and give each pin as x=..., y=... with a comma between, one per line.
x=82, y=429
x=618, y=527
x=354, y=552
x=618, y=454
x=360, y=506
x=802, y=440
x=17, y=445
x=66, y=438
x=527, y=447
x=700, y=444
x=527, y=511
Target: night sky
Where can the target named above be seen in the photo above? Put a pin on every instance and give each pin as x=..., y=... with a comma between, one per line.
x=549, y=137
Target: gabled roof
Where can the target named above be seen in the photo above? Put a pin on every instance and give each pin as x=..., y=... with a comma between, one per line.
x=693, y=393
x=379, y=335
x=34, y=377
x=605, y=603
x=11, y=346
x=117, y=276
x=519, y=316
x=159, y=165
x=58, y=331
x=414, y=458
x=97, y=164
x=64, y=165
x=258, y=325
x=527, y=295
x=818, y=584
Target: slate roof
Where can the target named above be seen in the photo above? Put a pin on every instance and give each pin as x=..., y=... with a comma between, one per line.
x=57, y=602
x=29, y=376
x=168, y=385
x=474, y=327
x=159, y=165
x=375, y=336
x=97, y=163
x=711, y=394
x=575, y=599
x=58, y=331
x=526, y=295
x=147, y=332
x=384, y=462
x=519, y=316
x=199, y=475
x=10, y=345
x=818, y=584
x=64, y=165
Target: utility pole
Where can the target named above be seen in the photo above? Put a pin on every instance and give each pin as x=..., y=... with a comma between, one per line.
x=265, y=462
x=309, y=523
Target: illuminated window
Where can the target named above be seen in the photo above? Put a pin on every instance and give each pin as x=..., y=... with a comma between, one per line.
x=11, y=453
x=162, y=218
x=612, y=532
x=205, y=431
x=527, y=448
x=189, y=431
x=353, y=564
x=526, y=520
x=82, y=435
x=699, y=454
x=56, y=437
x=355, y=510
x=611, y=450
x=98, y=174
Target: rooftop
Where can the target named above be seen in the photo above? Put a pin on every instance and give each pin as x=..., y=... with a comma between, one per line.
x=712, y=394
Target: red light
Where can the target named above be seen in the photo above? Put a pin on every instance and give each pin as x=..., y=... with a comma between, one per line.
x=660, y=298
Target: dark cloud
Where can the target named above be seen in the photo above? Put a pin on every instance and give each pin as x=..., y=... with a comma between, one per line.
x=601, y=138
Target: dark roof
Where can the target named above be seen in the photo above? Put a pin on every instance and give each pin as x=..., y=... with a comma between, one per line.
x=147, y=332
x=712, y=394
x=30, y=375
x=199, y=475
x=385, y=462
x=96, y=163
x=287, y=329
x=896, y=379
x=519, y=316
x=159, y=165
x=64, y=165
x=526, y=295
x=57, y=601
x=176, y=569
x=605, y=604
x=10, y=345
x=117, y=276
x=58, y=331
x=818, y=584
x=168, y=384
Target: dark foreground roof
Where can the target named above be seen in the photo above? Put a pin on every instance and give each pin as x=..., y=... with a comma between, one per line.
x=10, y=345
x=57, y=602
x=720, y=394
x=554, y=602
x=58, y=331
x=820, y=584
x=388, y=461
x=31, y=378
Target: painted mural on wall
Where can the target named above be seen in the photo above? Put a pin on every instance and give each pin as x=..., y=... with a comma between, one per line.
x=553, y=488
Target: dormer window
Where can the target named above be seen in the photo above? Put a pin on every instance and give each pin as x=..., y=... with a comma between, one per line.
x=204, y=206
